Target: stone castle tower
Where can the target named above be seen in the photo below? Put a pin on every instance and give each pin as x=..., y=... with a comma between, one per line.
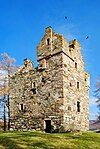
x=53, y=97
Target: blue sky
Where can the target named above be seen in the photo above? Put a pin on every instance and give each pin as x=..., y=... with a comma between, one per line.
x=23, y=22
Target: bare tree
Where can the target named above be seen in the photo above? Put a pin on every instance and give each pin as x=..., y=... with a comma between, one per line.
x=3, y=99
x=7, y=68
x=97, y=95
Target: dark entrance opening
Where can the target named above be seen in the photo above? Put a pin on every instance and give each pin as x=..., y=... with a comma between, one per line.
x=48, y=126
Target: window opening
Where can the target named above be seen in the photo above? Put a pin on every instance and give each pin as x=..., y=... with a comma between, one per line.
x=48, y=41
x=77, y=85
x=43, y=80
x=70, y=50
x=70, y=84
x=75, y=65
x=33, y=90
x=69, y=108
x=21, y=107
x=49, y=94
x=78, y=106
x=33, y=84
x=72, y=46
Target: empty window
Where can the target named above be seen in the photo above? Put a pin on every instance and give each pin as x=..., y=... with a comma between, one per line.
x=21, y=107
x=40, y=65
x=70, y=84
x=77, y=85
x=48, y=94
x=33, y=90
x=43, y=80
x=70, y=50
x=48, y=41
x=72, y=46
x=76, y=65
x=33, y=84
x=25, y=64
x=69, y=108
x=78, y=106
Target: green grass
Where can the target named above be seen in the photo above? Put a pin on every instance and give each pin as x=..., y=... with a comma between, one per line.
x=40, y=140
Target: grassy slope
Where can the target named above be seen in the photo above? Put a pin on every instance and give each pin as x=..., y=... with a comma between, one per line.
x=39, y=140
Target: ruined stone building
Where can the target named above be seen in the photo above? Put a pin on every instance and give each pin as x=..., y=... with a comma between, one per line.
x=55, y=95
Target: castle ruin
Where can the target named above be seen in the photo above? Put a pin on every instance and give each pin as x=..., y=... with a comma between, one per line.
x=55, y=95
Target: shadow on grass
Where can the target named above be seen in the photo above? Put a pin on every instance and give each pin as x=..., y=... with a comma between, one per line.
x=40, y=140
x=10, y=140
x=8, y=143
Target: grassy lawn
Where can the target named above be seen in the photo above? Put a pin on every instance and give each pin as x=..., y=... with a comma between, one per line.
x=39, y=140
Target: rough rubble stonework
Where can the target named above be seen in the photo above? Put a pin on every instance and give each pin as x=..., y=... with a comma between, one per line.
x=54, y=95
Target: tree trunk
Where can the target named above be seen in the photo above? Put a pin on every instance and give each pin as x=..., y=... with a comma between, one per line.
x=4, y=117
x=8, y=114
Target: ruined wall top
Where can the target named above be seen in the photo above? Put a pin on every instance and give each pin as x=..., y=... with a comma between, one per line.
x=26, y=67
x=48, y=29
x=53, y=43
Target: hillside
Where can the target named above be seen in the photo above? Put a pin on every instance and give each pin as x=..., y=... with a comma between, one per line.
x=40, y=140
x=94, y=125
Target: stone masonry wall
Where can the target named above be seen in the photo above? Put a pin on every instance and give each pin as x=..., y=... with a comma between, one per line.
x=58, y=90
